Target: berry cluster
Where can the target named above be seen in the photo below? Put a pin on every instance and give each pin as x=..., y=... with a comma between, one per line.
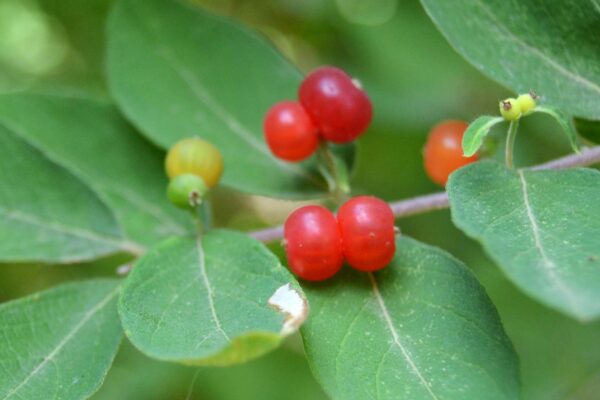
x=443, y=151
x=512, y=109
x=193, y=166
x=331, y=107
x=317, y=242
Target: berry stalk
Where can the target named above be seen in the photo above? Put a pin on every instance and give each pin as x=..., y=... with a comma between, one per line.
x=510, y=143
x=334, y=172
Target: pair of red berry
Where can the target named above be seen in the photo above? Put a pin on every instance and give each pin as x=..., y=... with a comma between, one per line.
x=317, y=242
x=332, y=106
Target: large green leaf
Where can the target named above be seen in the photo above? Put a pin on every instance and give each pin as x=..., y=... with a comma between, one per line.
x=59, y=344
x=216, y=301
x=423, y=328
x=177, y=71
x=550, y=46
x=90, y=139
x=541, y=227
x=46, y=213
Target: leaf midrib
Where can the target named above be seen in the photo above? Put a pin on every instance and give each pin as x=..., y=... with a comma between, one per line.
x=69, y=230
x=396, y=337
x=205, y=98
x=209, y=290
x=548, y=264
x=121, y=191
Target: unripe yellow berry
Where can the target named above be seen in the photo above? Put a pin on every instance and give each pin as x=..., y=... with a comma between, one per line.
x=510, y=109
x=526, y=102
x=195, y=156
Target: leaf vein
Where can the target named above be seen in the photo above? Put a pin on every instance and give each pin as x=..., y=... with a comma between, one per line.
x=50, y=357
x=205, y=98
x=209, y=289
x=396, y=337
x=69, y=230
x=557, y=66
x=548, y=264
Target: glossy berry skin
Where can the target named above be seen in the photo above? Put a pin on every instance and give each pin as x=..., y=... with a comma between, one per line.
x=368, y=237
x=313, y=243
x=510, y=109
x=443, y=151
x=289, y=131
x=341, y=110
x=195, y=156
x=186, y=190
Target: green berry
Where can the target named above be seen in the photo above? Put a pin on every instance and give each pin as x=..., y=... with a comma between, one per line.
x=527, y=102
x=510, y=109
x=186, y=191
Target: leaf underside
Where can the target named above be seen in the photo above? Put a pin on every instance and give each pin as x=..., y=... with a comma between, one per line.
x=476, y=133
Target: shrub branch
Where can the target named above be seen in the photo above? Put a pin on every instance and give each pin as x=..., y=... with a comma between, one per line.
x=439, y=200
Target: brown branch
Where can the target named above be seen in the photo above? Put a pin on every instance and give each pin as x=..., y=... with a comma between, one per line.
x=438, y=201
x=588, y=156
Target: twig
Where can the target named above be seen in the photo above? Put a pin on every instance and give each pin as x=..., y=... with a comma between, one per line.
x=438, y=201
x=588, y=156
x=268, y=234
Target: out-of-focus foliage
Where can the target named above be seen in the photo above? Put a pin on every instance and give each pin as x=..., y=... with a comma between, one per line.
x=414, y=78
x=547, y=45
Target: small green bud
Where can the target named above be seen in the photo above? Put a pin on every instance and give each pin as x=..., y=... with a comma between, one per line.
x=510, y=109
x=527, y=102
x=186, y=191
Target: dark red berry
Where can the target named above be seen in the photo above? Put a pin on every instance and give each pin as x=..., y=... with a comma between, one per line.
x=443, y=151
x=289, y=131
x=340, y=109
x=313, y=243
x=367, y=227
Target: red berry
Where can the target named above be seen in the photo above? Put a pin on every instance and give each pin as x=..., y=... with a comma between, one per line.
x=289, y=132
x=367, y=227
x=340, y=109
x=313, y=243
x=443, y=150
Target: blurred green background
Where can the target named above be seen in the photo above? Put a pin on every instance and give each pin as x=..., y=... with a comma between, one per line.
x=415, y=79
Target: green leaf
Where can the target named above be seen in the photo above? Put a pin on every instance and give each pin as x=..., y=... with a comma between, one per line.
x=422, y=328
x=476, y=132
x=590, y=130
x=59, y=343
x=218, y=301
x=46, y=213
x=267, y=378
x=558, y=55
x=539, y=226
x=565, y=123
x=177, y=71
x=90, y=139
